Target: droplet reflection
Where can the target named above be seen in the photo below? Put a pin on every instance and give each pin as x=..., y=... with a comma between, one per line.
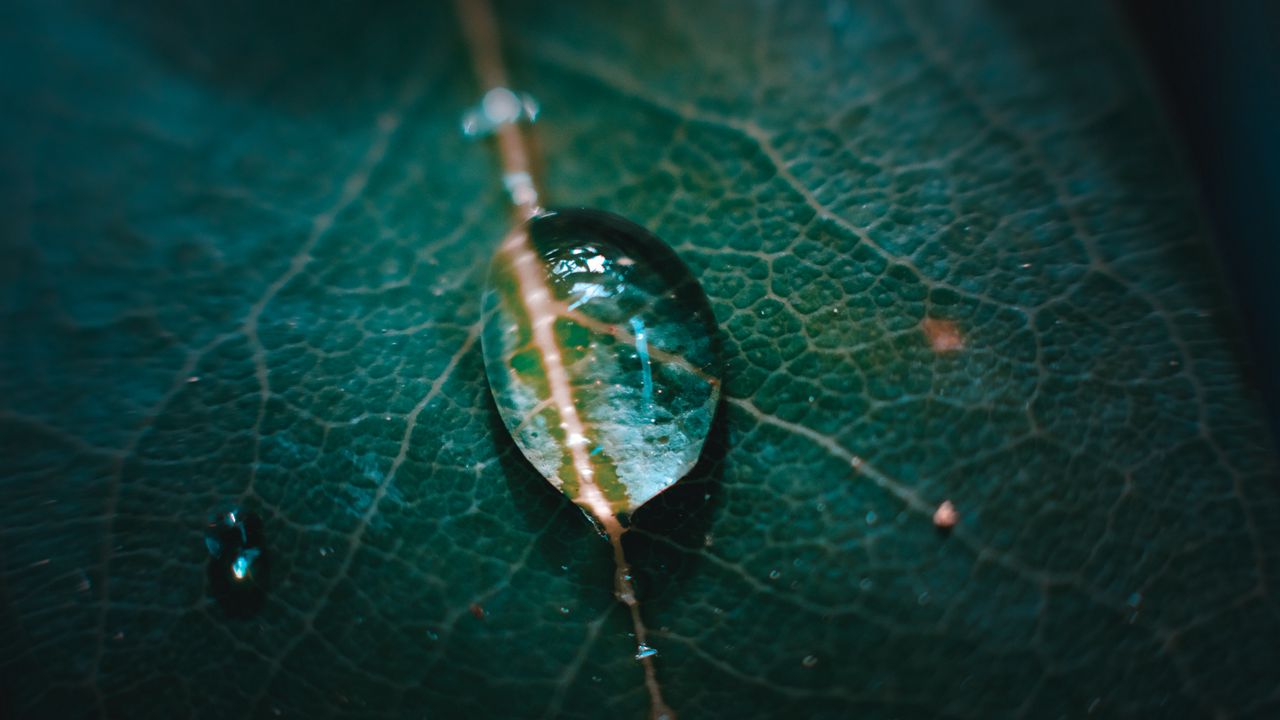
x=238, y=563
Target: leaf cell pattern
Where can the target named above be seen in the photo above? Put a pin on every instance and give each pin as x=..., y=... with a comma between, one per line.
x=245, y=251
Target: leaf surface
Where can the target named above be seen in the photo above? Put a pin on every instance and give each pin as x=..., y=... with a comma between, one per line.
x=952, y=256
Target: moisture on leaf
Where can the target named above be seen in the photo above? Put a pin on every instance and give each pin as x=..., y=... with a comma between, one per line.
x=599, y=346
x=952, y=254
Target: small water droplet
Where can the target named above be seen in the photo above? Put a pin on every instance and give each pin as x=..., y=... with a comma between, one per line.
x=564, y=610
x=809, y=661
x=433, y=635
x=775, y=574
x=596, y=678
x=866, y=583
x=238, y=564
x=923, y=598
x=644, y=651
x=1135, y=600
x=872, y=517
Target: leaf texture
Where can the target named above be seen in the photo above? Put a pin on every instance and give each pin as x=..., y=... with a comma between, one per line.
x=952, y=255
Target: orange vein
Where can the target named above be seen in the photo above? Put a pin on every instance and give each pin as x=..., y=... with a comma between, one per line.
x=481, y=31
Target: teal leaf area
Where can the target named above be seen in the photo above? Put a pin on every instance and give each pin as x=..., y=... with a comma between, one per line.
x=952, y=252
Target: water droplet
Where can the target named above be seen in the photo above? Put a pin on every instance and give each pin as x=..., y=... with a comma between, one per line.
x=596, y=678
x=923, y=598
x=1135, y=600
x=866, y=583
x=644, y=651
x=433, y=635
x=775, y=574
x=809, y=661
x=238, y=563
x=564, y=610
x=576, y=297
x=872, y=517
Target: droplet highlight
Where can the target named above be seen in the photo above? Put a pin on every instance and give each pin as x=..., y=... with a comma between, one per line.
x=238, y=565
x=644, y=651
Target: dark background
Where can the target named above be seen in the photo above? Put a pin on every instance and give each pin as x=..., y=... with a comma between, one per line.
x=1218, y=67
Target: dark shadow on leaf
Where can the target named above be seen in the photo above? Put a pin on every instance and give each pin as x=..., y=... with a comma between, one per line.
x=299, y=56
x=666, y=528
x=678, y=516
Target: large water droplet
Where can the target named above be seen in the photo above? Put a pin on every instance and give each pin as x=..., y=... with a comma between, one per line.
x=600, y=348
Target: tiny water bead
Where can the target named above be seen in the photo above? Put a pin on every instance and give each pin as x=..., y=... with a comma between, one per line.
x=644, y=651
x=238, y=562
x=600, y=349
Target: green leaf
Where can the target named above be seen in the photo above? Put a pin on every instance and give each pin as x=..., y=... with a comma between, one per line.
x=244, y=250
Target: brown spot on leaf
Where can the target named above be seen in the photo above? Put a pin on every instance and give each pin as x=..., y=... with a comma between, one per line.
x=944, y=335
x=477, y=611
x=945, y=517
